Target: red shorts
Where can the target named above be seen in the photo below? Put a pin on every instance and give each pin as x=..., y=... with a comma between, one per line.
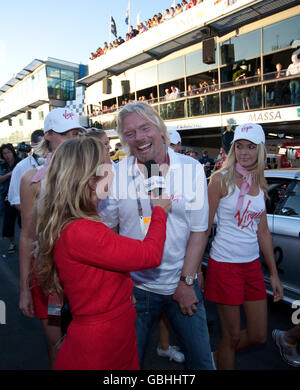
x=234, y=283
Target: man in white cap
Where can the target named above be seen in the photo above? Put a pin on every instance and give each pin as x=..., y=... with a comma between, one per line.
x=175, y=140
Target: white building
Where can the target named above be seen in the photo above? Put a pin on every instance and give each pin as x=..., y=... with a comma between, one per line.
x=208, y=42
x=27, y=98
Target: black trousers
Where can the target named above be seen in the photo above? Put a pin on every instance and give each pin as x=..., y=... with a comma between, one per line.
x=9, y=219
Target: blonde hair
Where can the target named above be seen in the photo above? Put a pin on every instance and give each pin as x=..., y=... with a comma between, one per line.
x=66, y=198
x=229, y=172
x=43, y=148
x=147, y=112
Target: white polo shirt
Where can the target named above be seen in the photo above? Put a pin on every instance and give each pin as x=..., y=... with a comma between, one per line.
x=14, y=187
x=186, y=186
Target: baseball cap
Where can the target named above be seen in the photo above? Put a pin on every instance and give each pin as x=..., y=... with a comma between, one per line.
x=251, y=132
x=61, y=120
x=174, y=137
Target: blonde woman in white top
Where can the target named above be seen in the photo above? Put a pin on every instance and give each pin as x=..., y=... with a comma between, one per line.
x=237, y=194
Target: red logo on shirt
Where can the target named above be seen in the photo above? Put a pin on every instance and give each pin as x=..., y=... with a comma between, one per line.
x=246, y=220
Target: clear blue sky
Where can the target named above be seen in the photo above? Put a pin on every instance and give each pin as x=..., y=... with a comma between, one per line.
x=66, y=29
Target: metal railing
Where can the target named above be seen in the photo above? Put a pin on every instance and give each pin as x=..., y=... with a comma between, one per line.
x=253, y=94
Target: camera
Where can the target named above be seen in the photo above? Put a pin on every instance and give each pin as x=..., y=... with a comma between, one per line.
x=24, y=148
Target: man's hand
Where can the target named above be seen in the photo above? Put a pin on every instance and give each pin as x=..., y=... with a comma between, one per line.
x=186, y=298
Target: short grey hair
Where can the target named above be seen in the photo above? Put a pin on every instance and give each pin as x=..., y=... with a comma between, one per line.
x=147, y=112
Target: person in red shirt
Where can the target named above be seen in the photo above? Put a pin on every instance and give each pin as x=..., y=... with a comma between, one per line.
x=88, y=262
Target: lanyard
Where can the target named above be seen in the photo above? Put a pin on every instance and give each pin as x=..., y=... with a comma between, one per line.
x=138, y=199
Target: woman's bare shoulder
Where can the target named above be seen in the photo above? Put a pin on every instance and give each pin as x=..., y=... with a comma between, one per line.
x=28, y=185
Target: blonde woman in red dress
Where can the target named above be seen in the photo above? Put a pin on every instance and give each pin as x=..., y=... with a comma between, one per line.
x=88, y=262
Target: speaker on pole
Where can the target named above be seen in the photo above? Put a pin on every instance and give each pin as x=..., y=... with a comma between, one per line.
x=208, y=51
x=125, y=86
x=227, y=53
x=106, y=86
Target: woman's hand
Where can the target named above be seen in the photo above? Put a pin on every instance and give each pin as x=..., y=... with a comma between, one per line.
x=25, y=303
x=276, y=287
x=162, y=201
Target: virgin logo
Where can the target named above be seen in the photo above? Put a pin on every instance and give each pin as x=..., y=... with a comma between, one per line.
x=247, y=218
x=68, y=115
x=246, y=128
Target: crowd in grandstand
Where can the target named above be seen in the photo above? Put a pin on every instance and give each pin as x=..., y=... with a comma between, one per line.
x=157, y=19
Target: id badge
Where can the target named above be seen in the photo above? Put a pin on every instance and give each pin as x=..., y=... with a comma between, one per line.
x=55, y=303
x=145, y=222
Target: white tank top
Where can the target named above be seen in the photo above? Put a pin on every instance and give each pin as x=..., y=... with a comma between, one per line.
x=236, y=238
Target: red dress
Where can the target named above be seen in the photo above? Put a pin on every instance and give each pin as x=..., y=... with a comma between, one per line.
x=94, y=264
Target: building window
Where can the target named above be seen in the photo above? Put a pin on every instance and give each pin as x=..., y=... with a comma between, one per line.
x=53, y=72
x=61, y=83
x=146, y=78
x=280, y=35
x=171, y=70
x=241, y=47
x=194, y=63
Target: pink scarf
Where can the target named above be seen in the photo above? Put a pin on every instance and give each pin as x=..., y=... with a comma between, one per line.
x=41, y=173
x=246, y=185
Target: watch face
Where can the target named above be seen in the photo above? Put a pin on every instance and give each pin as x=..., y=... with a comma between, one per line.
x=189, y=280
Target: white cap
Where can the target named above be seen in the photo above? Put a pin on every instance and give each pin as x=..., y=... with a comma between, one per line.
x=174, y=137
x=251, y=132
x=61, y=120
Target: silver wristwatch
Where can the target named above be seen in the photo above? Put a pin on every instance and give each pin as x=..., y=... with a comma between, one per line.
x=188, y=279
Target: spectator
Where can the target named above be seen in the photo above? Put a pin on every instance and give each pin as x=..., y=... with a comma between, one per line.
x=30, y=162
x=191, y=4
x=279, y=72
x=11, y=214
x=240, y=78
x=151, y=98
x=278, y=85
x=221, y=158
x=191, y=90
x=105, y=47
x=141, y=28
x=133, y=32
x=294, y=69
x=184, y=5
x=100, y=134
x=178, y=9
x=175, y=94
x=175, y=140
x=159, y=17
x=214, y=85
x=99, y=51
x=167, y=94
x=205, y=158
x=155, y=21
x=167, y=15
